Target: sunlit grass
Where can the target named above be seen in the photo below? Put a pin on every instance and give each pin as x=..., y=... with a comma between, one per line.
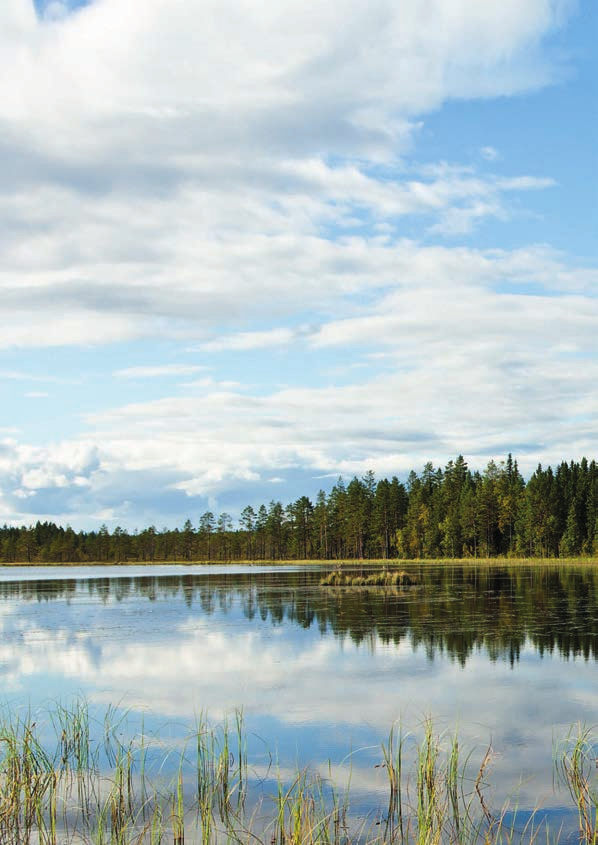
x=339, y=563
x=381, y=578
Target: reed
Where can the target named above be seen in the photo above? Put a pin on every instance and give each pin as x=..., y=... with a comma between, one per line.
x=576, y=765
x=60, y=785
x=305, y=815
x=384, y=578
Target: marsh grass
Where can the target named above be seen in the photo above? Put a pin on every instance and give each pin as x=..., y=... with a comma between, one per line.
x=499, y=560
x=511, y=560
x=576, y=766
x=384, y=578
x=73, y=789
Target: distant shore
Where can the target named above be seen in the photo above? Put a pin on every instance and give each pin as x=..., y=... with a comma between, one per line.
x=390, y=564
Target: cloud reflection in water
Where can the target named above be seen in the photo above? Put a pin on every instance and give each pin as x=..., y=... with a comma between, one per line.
x=316, y=674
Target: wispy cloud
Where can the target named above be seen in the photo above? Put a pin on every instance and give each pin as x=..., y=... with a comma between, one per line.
x=160, y=371
x=246, y=341
x=24, y=375
x=489, y=153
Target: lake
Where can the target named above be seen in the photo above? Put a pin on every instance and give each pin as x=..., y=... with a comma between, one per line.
x=504, y=657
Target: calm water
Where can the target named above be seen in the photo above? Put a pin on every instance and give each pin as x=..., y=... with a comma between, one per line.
x=505, y=657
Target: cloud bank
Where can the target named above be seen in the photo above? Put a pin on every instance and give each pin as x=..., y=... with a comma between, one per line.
x=243, y=188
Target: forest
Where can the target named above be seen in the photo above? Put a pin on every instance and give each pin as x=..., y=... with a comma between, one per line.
x=449, y=512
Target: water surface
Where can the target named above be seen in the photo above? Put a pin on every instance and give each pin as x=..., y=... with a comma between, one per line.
x=507, y=657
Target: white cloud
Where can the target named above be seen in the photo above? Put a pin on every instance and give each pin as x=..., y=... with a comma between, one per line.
x=343, y=68
x=30, y=468
x=245, y=341
x=212, y=384
x=23, y=375
x=489, y=153
x=152, y=191
x=160, y=371
x=486, y=346
x=56, y=10
x=202, y=256
x=81, y=328
x=238, y=183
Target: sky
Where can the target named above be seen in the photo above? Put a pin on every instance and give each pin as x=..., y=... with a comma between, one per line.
x=248, y=248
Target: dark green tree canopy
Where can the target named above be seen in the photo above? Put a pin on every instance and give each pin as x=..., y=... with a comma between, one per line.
x=443, y=512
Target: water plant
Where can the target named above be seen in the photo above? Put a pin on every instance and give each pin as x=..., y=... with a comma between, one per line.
x=66, y=781
x=576, y=764
x=383, y=578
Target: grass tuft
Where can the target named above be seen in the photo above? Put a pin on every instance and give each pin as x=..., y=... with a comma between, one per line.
x=384, y=578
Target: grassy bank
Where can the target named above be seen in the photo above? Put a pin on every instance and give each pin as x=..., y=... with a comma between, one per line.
x=342, y=564
x=65, y=781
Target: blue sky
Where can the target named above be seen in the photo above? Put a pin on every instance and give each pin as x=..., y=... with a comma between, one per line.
x=246, y=253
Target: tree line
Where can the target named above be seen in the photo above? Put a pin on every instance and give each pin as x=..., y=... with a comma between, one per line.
x=450, y=512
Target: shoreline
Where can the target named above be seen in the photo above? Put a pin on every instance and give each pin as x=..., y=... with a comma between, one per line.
x=378, y=563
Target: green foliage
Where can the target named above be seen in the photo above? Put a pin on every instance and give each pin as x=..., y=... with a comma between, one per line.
x=442, y=513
